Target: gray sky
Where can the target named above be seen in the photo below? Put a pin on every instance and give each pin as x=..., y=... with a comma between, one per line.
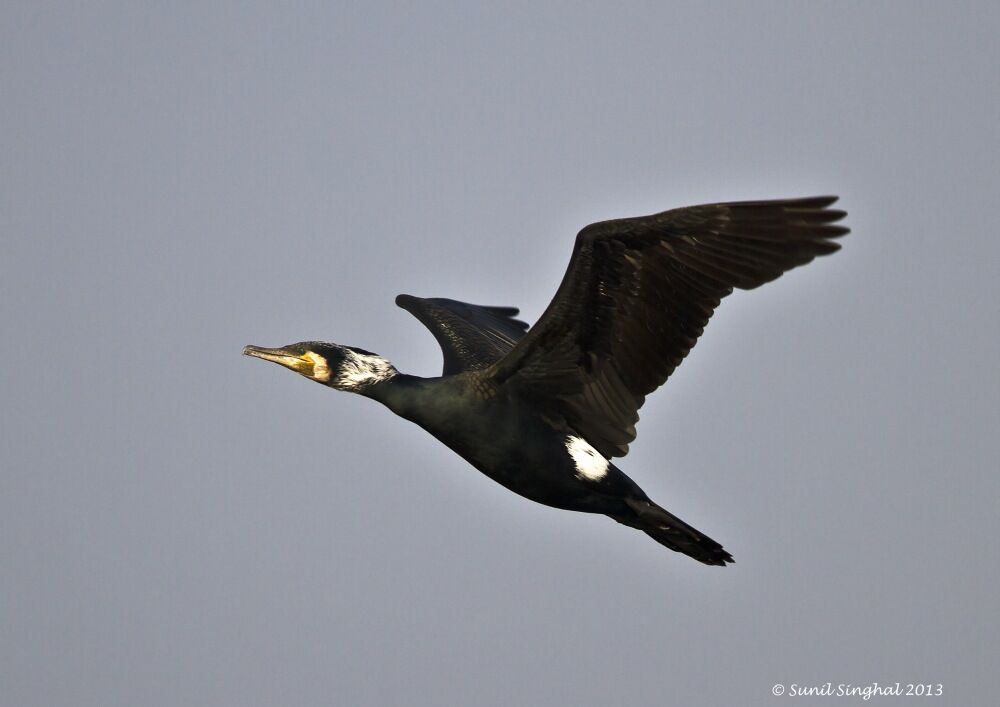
x=183, y=526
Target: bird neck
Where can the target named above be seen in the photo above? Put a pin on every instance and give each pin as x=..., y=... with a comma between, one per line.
x=397, y=393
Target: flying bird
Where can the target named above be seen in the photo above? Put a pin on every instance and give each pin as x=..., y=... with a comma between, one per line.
x=543, y=411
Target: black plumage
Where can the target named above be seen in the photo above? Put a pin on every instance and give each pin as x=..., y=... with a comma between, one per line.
x=472, y=336
x=542, y=411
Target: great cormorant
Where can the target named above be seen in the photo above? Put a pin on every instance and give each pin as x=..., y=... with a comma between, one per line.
x=543, y=411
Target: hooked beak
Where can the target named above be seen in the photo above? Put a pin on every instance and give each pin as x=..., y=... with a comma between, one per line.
x=284, y=357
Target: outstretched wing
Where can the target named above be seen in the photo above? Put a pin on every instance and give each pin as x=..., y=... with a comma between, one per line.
x=472, y=336
x=637, y=295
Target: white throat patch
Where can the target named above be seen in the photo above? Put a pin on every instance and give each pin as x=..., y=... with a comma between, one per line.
x=589, y=463
x=359, y=370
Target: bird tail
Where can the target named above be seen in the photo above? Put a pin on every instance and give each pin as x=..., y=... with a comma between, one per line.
x=670, y=531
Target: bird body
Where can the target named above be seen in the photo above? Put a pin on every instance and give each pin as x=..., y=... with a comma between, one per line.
x=526, y=453
x=543, y=411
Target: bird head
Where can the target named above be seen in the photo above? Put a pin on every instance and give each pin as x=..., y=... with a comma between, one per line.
x=340, y=367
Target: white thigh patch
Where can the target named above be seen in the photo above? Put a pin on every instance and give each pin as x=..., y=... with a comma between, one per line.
x=589, y=463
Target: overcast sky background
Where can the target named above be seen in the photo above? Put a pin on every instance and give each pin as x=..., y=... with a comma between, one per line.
x=180, y=525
